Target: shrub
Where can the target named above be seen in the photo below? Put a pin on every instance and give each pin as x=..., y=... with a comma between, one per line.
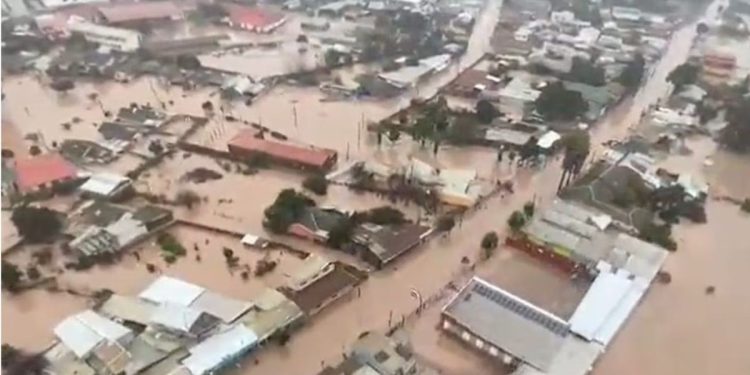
x=489, y=244
x=528, y=209
x=33, y=273
x=316, y=183
x=516, y=221
x=746, y=205
x=445, y=223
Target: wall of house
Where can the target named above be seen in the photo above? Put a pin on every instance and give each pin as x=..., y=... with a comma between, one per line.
x=544, y=253
x=457, y=330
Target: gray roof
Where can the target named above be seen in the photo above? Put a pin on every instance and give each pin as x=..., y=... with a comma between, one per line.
x=508, y=322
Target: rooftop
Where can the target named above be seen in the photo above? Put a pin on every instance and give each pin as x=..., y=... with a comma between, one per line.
x=214, y=351
x=271, y=312
x=84, y=331
x=508, y=322
x=104, y=184
x=388, y=242
x=315, y=295
x=252, y=17
x=167, y=289
x=140, y=11
x=43, y=169
x=306, y=155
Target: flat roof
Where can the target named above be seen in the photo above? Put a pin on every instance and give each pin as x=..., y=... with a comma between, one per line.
x=140, y=11
x=42, y=169
x=82, y=332
x=508, y=322
x=225, y=308
x=103, y=183
x=217, y=349
x=167, y=289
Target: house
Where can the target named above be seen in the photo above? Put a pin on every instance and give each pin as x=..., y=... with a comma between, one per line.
x=472, y=82
x=153, y=217
x=316, y=223
x=239, y=86
x=143, y=116
x=455, y=187
x=253, y=19
x=118, y=39
x=127, y=309
x=43, y=173
x=112, y=238
x=248, y=144
x=133, y=14
x=86, y=331
x=182, y=321
x=105, y=186
x=271, y=314
x=384, y=354
x=598, y=98
x=383, y=244
x=504, y=326
x=320, y=283
x=626, y=14
x=517, y=98
x=408, y=76
x=350, y=366
x=184, y=46
x=220, y=350
x=718, y=64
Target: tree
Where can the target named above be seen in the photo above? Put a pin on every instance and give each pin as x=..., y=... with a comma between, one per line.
x=685, y=74
x=285, y=210
x=701, y=28
x=576, y=145
x=705, y=112
x=11, y=278
x=341, y=233
x=384, y=215
x=302, y=38
x=36, y=225
x=528, y=209
x=62, y=85
x=736, y=135
x=33, y=273
x=34, y=150
x=17, y=362
x=516, y=221
x=632, y=75
x=486, y=112
x=586, y=72
x=316, y=183
x=422, y=130
x=557, y=103
x=156, y=147
x=445, y=223
x=187, y=198
x=745, y=206
x=489, y=243
x=394, y=134
x=660, y=235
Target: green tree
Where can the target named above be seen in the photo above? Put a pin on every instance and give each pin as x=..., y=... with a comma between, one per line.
x=660, y=235
x=632, y=75
x=685, y=74
x=36, y=224
x=557, y=103
x=745, y=205
x=341, y=234
x=384, y=215
x=445, y=223
x=489, y=244
x=528, y=209
x=316, y=183
x=586, y=72
x=486, y=112
x=11, y=277
x=516, y=221
x=736, y=135
x=187, y=198
x=576, y=147
x=285, y=210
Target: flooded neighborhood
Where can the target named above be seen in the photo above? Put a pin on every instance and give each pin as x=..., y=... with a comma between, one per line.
x=375, y=187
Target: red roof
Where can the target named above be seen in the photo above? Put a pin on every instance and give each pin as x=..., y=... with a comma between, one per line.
x=251, y=16
x=310, y=156
x=140, y=11
x=43, y=169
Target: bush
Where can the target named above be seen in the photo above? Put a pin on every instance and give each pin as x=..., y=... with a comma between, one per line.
x=263, y=267
x=489, y=244
x=516, y=221
x=169, y=258
x=11, y=276
x=528, y=209
x=384, y=215
x=746, y=205
x=445, y=223
x=33, y=273
x=170, y=245
x=660, y=235
x=36, y=224
x=316, y=183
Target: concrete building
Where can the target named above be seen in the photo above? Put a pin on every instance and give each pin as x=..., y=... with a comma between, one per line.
x=249, y=144
x=123, y=40
x=517, y=99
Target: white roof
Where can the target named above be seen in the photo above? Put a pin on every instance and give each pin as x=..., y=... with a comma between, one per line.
x=548, y=139
x=127, y=229
x=519, y=89
x=599, y=302
x=59, y=3
x=176, y=317
x=166, y=289
x=82, y=332
x=92, y=28
x=224, y=308
x=218, y=348
x=103, y=183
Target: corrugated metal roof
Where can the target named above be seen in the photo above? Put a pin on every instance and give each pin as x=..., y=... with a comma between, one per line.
x=508, y=322
x=272, y=312
x=167, y=289
x=219, y=348
x=310, y=156
x=103, y=184
x=128, y=308
x=176, y=317
x=82, y=332
x=600, y=301
x=224, y=308
x=42, y=169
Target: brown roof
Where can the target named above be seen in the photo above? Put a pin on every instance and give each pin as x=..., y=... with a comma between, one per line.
x=139, y=11
x=471, y=78
x=388, y=242
x=306, y=155
x=314, y=295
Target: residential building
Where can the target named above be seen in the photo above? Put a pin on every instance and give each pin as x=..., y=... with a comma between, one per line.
x=43, y=173
x=385, y=355
x=182, y=321
x=105, y=186
x=123, y=40
x=249, y=144
x=110, y=239
x=598, y=98
x=86, y=331
x=254, y=19
x=350, y=366
x=184, y=46
x=473, y=82
x=718, y=65
x=138, y=13
x=504, y=326
x=271, y=314
x=383, y=244
x=321, y=283
x=316, y=223
x=220, y=350
x=408, y=76
x=517, y=99
x=627, y=14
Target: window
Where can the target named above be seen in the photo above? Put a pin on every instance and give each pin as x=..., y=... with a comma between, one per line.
x=479, y=343
x=466, y=336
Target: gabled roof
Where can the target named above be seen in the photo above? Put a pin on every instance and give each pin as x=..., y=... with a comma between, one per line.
x=167, y=289
x=310, y=156
x=508, y=322
x=388, y=242
x=104, y=183
x=84, y=331
x=42, y=169
x=214, y=351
